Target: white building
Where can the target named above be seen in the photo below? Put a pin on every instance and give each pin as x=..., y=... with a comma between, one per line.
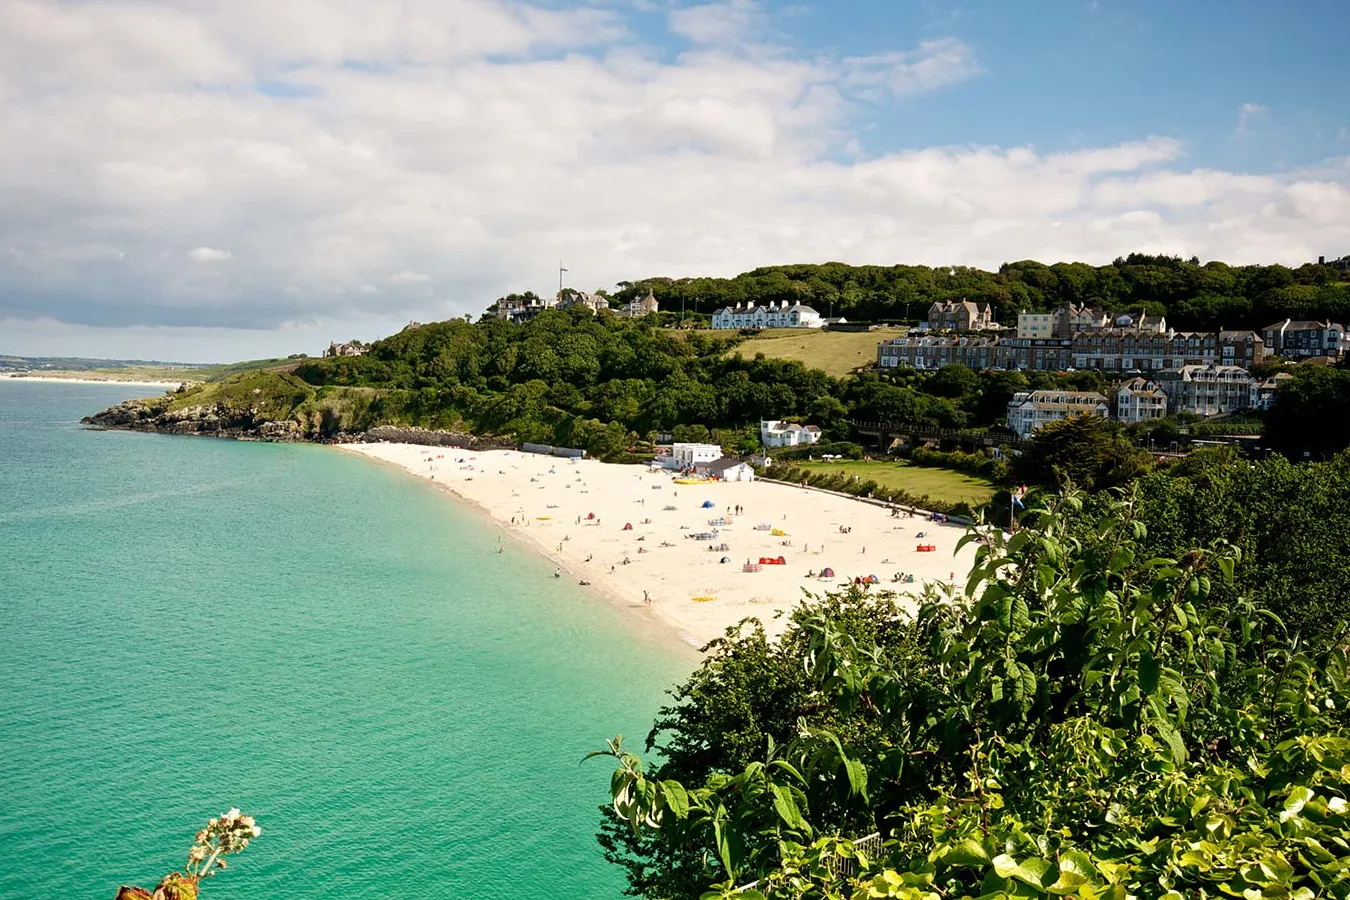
x=1263, y=392
x=687, y=456
x=1207, y=390
x=1029, y=410
x=726, y=470
x=569, y=298
x=774, y=315
x=1139, y=400
x=773, y=433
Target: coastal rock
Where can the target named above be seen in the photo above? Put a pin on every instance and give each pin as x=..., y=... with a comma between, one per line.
x=156, y=414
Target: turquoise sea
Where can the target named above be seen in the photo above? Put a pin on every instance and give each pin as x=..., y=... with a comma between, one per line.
x=333, y=646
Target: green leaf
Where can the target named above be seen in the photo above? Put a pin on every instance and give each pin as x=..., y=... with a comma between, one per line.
x=1294, y=803
x=1031, y=872
x=1149, y=670
x=857, y=776
x=786, y=808
x=677, y=798
x=966, y=853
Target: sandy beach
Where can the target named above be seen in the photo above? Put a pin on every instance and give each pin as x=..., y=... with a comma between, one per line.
x=128, y=382
x=636, y=535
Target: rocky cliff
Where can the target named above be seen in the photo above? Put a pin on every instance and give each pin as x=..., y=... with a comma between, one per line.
x=256, y=406
x=157, y=414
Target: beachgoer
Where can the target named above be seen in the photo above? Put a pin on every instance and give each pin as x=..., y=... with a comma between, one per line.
x=557, y=573
x=611, y=570
x=646, y=598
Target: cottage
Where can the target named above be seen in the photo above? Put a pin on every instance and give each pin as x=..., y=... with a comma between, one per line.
x=773, y=433
x=641, y=307
x=773, y=315
x=569, y=298
x=962, y=315
x=726, y=470
x=350, y=348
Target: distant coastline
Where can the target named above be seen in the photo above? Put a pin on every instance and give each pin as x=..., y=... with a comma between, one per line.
x=84, y=379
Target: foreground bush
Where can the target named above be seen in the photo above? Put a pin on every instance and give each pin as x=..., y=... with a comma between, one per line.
x=1079, y=722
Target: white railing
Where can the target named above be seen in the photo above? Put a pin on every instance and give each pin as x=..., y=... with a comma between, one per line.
x=870, y=845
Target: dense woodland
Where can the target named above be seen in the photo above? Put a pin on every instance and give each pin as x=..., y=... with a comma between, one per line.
x=1192, y=295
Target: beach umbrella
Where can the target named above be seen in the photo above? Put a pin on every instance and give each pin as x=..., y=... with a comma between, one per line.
x=726, y=559
x=827, y=572
x=708, y=504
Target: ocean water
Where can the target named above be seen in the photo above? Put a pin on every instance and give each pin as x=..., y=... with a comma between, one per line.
x=333, y=646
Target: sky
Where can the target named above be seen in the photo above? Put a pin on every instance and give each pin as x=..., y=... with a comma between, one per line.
x=198, y=180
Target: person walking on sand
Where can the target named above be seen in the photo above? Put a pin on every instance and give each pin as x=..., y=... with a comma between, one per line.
x=646, y=599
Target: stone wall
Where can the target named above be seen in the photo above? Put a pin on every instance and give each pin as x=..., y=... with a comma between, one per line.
x=395, y=434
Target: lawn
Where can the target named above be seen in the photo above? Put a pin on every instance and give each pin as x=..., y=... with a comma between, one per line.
x=836, y=352
x=940, y=484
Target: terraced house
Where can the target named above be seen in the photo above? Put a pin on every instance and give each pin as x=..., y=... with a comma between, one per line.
x=772, y=315
x=1026, y=354
x=1132, y=350
x=1208, y=390
x=1303, y=339
x=1029, y=410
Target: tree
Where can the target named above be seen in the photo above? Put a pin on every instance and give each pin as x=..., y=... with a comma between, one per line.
x=1076, y=723
x=1311, y=413
x=1081, y=449
x=953, y=382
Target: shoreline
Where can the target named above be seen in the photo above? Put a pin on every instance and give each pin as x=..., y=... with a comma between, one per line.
x=658, y=625
x=128, y=382
x=560, y=507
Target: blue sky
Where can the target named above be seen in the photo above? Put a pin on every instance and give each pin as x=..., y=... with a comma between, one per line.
x=220, y=180
x=1065, y=75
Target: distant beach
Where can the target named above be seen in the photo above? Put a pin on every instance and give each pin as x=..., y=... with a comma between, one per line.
x=652, y=545
x=76, y=380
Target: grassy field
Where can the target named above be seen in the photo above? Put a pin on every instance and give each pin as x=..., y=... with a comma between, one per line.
x=836, y=352
x=170, y=373
x=940, y=484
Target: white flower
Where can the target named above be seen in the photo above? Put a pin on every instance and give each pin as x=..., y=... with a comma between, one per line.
x=232, y=814
x=1336, y=805
x=257, y=831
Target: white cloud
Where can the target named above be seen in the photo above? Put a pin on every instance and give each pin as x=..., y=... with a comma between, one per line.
x=716, y=23
x=339, y=149
x=934, y=64
x=1249, y=115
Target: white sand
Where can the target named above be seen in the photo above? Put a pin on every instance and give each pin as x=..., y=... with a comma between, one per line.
x=127, y=382
x=547, y=500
